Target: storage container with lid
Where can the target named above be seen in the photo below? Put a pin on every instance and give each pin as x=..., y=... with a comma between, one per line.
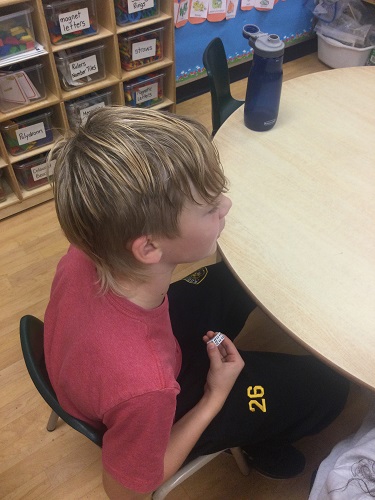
x=134, y=11
x=16, y=30
x=68, y=20
x=138, y=48
x=21, y=85
x=144, y=91
x=80, y=66
x=34, y=173
x=27, y=132
x=79, y=109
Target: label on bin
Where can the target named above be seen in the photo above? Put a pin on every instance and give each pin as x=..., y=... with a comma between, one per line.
x=74, y=20
x=31, y=133
x=84, y=113
x=83, y=67
x=146, y=93
x=40, y=171
x=141, y=50
x=137, y=5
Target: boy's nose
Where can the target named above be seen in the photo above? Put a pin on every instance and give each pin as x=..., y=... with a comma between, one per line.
x=225, y=205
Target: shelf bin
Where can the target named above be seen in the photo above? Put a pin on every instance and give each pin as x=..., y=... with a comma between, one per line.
x=78, y=67
x=28, y=132
x=16, y=30
x=132, y=11
x=141, y=48
x=145, y=91
x=21, y=86
x=79, y=109
x=68, y=20
x=3, y=195
x=34, y=173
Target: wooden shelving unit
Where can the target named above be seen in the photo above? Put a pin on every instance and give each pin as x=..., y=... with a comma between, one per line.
x=19, y=199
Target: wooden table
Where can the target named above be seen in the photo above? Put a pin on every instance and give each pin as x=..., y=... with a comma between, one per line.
x=301, y=233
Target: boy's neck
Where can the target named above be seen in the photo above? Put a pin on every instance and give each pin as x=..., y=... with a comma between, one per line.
x=151, y=293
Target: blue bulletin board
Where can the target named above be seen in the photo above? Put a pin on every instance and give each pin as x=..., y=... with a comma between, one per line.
x=290, y=19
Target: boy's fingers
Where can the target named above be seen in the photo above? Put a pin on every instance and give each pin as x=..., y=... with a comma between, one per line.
x=209, y=335
x=214, y=354
x=217, y=339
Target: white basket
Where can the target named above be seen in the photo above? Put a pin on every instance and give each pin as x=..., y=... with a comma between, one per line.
x=337, y=55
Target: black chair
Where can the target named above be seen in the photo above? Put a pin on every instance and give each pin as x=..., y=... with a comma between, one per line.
x=32, y=343
x=222, y=102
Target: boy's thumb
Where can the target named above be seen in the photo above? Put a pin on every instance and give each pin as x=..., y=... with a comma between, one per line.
x=213, y=353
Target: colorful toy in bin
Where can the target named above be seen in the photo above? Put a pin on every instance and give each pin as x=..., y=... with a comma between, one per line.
x=27, y=132
x=34, y=173
x=133, y=11
x=18, y=39
x=16, y=30
x=68, y=20
x=138, y=48
x=144, y=91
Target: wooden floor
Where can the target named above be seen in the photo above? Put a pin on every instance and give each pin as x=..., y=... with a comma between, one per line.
x=35, y=464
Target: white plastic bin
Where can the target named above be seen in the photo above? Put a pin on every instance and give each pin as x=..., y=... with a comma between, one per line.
x=337, y=55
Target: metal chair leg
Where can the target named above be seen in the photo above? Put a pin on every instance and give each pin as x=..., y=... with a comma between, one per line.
x=194, y=466
x=182, y=474
x=240, y=460
x=52, y=421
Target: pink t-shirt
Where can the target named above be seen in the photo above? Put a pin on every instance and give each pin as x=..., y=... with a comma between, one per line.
x=115, y=364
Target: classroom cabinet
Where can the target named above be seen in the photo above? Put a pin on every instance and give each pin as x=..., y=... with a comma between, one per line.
x=52, y=74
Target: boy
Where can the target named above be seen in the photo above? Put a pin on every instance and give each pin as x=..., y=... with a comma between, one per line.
x=138, y=192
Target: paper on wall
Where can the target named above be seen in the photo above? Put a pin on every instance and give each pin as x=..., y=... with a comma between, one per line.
x=264, y=4
x=182, y=15
x=199, y=9
x=232, y=6
x=217, y=6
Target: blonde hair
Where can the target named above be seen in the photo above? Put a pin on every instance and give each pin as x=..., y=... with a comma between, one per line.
x=126, y=173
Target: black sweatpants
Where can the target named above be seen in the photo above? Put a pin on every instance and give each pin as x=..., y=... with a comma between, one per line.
x=276, y=398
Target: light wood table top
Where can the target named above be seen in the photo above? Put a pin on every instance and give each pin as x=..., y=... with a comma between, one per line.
x=301, y=233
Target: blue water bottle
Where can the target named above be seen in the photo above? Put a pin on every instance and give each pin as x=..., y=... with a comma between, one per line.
x=265, y=79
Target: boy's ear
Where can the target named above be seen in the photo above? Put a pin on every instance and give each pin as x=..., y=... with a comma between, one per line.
x=145, y=250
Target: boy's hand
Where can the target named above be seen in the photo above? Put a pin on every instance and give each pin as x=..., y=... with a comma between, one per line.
x=225, y=366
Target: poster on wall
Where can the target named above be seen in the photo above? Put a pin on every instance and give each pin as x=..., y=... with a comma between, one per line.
x=197, y=22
